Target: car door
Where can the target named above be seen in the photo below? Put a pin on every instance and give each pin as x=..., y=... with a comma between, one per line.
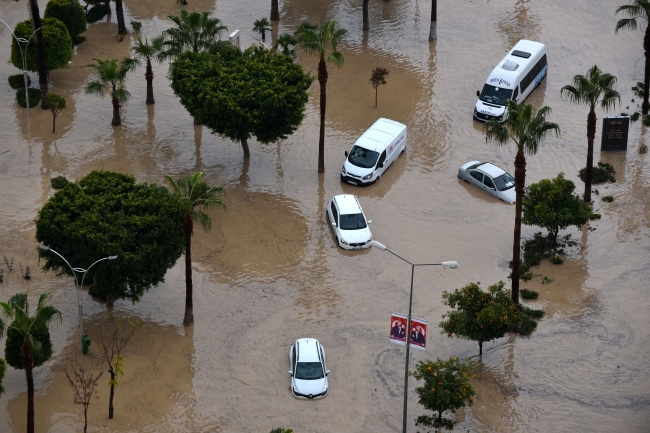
x=476, y=178
x=381, y=163
x=488, y=185
x=334, y=222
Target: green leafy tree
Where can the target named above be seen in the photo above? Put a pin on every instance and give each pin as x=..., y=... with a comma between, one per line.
x=446, y=387
x=595, y=88
x=17, y=310
x=526, y=128
x=106, y=214
x=194, y=31
x=41, y=55
x=287, y=42
x=480, y=316
x=551, y=204
x=146, y=51
x=639, y=10
x=322, y=41
x=281, y=430
x=193, y=194
x=58, y=46
x=70, y=13
x=262, y=26
x=240, y=95
x=112, y=78
x=56, y=104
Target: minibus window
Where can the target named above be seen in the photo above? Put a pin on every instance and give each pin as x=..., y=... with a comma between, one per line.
x=495, y=95
x=362, y=157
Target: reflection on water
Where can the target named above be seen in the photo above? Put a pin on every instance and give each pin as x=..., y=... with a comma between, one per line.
x=520, y=24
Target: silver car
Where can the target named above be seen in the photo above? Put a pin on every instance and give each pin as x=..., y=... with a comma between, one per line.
x=490, y=178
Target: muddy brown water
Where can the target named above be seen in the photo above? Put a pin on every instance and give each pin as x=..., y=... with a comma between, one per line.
x=269, y=272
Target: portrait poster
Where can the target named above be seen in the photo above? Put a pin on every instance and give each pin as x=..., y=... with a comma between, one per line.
x=398, y=328
x=418, y=333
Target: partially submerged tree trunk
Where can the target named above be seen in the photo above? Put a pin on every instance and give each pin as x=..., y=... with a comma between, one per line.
x=149, y=77
x=244, y=145
x=53, y=124
x=110, y=399
x=109, y=301
x=591, y=134
x=197, y=121
x=40, y=50
x=121, y=27
x=116, y=113
x=520, y=181
x=322, y=79
x=366, y=26
x=480, y=348
x=28, y=362
x=646, y=88
x=188, y=228
x=275, y=11
x=433, y=31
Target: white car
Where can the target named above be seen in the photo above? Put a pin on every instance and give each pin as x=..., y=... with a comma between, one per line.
x=308, y=369
x=348, y=222
x=490, y=178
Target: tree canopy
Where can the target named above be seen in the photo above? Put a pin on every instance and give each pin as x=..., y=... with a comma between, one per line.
x=58, y=45
x=106, y=214
x=255, y=93
x=70, y=12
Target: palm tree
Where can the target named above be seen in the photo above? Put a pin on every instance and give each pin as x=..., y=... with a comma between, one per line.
x=191, y=192
x=121, y=26
x=147, y=51
x=17, y=311
x=40, y=53
x=262, y=26
x=639, y=9
x=527, y=129
x=275, y=11
x=322, y=41
x=366, y=26
x=286, y=41
x=111, y=77
x=593, y=89
x=195, y=31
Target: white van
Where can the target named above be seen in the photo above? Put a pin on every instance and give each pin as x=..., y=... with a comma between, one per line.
x=374, y=152
x=515, y=77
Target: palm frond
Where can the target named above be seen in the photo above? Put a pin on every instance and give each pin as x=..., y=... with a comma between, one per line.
x=121, y=94
x=95, y=88
x=336, y=58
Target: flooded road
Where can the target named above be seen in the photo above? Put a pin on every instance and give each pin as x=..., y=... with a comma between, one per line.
x=269, y=271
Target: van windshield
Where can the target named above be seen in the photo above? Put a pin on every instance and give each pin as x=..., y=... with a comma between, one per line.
x=504, y=182
x=495, y=95
x=363, y=158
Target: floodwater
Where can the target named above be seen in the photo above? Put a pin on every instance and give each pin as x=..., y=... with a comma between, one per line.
x=269, y=272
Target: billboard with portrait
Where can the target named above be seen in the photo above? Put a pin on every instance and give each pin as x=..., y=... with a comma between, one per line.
x=398, y=328
x=418, y=333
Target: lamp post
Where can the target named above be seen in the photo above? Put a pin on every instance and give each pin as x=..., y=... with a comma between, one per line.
x=23, y=55
x=452, y=265
x=80, y=286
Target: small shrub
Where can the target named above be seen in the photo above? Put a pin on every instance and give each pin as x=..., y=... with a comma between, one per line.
x=77, y=39
x=96, y=13
x=59, y=182
x=624, y=115
x=17, y=81
x=2, y=276
x=634, y=117
x=525, y=326
x=136, y=26
x=595, y=216
x=600, y=174
x=9, y=263
x=27, y=273
x=557, y=260
x=547, y=280
x=646, y=120
x=34, y=97
x=643, y=148
x=531, y=312
x=608, y=198
x=595, y=191
x=526, y=276
x=528, y=294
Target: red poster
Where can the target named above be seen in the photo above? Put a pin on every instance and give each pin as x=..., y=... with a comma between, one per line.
x=398, y=329
x=418, y=333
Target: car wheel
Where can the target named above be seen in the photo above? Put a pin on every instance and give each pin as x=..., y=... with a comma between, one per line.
x=338, y=244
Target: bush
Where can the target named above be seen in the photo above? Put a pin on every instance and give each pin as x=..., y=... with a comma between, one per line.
x=557, y=260
x=96, y=13
x=70, y=13
x=530, y=312
x=58, y=45
x=526, y=276
x=77, y=39
x=608, y=198
x=528, y=294
x=59, y=182
x=3, y=369
x=136, y=25
x=18, y=81
x=34, y=97
x=646, y=120
x=600, y=174
x=634, y=117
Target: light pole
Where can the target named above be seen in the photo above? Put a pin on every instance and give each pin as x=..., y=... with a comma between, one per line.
x=80, y=286
x=23, y=55
x=452, y=265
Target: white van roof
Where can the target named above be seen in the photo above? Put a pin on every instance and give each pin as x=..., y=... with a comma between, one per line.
x=514, y=63
x=380, y=134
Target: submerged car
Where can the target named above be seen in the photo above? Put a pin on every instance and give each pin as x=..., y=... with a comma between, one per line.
x=308, y=369
x=348, y=222
x=490, y=178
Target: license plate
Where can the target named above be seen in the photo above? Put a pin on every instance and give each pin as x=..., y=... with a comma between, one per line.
x=351, y=182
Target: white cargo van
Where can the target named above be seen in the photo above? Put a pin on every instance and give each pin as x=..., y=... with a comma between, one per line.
x=374, y=152
x=515, y=77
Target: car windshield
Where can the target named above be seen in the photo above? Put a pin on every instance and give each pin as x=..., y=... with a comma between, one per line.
x=495, y=95
x=362, y=157
x=309, y=370
x=353, y=221
x=504, y=182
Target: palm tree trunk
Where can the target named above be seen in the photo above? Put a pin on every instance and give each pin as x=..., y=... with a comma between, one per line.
x=110, y=398
x=376, y=90
x=188, y=228
x=591, y=134
x=40, y=50
x=149, y=77
x=433, y=30
x=366, y=26
x=646, y=87
x=116, y=113
x=322, y=79
x=520, y=181
x=108, y=7
x=121, y=27
x=275, y=12
x=244, y=145
x=28, y=362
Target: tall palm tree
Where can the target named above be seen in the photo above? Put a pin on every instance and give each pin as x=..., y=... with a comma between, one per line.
x=194, y=31
x=527, y=129
x=275, y=11
x=322, y=41
x=366, y=26
x=17, y=311
x=191, y=192
x=147, y=51
x=111, y=78
x=639, y=9
x=121, y=26
x=592, y=89
x=40, y=53
x=262, y=26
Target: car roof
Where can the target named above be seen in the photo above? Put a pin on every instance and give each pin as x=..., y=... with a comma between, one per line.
x=347, y=204
x=491, y=169
x=307, y=350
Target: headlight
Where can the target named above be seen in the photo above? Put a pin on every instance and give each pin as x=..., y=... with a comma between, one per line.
x=367, y=176
x=343, y=169
x=343, y=241
x=475, y=112
x=325, y=388
x=295, y=389
x=501, y=117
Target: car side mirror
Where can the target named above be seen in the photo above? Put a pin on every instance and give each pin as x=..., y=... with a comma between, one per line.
x=291, y=372
x=478, y=93
x=333, y=224
x=369, y=221
x=381, y=165
x=327, y=372
x=346, y=153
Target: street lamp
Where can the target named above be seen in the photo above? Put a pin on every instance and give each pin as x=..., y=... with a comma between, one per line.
x=451, y=265
x=23, y=55
x=80, y=286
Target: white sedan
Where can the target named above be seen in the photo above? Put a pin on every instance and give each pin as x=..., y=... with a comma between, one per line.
x=490, y=178
x=308, y=369
x=348, y=222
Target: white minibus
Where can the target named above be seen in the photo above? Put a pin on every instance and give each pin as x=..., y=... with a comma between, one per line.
x=515, y=77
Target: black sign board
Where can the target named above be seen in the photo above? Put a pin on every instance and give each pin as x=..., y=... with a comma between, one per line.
x=615, y=133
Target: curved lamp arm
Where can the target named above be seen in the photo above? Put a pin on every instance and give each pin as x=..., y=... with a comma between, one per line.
x=74, y=270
